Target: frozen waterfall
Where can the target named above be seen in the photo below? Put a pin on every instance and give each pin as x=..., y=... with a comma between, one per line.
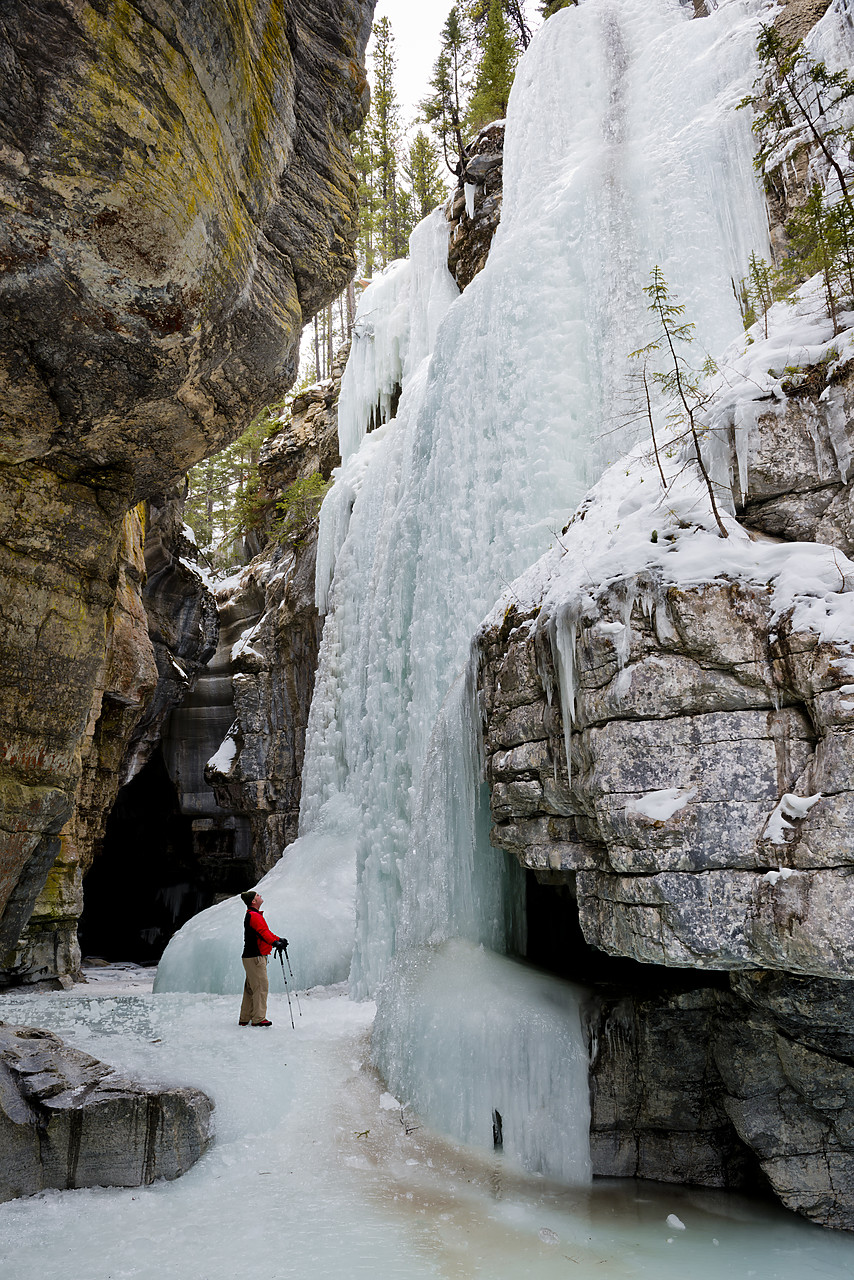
x=623, y=150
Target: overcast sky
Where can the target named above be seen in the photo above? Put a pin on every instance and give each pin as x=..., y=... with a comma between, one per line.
x=416, y=25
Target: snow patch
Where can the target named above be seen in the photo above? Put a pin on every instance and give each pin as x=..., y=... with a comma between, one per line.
x=790, y=809
x=224, y=758
x=199, y=571
x=782, y=873
x=660, y=806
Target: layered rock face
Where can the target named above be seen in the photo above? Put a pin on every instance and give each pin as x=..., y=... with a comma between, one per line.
x=127, y=678
x=256, y=767
x=273, y=631
x=160, y=633
x=705, y=824
x=179, y=200
x=67, y=1120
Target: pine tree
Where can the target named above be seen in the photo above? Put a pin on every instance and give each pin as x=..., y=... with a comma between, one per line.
x=445, y=105
x=679, y=381
x=406, y=216
x=421, y=170
x=495, y=71
x=550, y=7
x=477, y=12
x=385, y=130
x=794, y=89
x=797, y=99
x=363, y=160
x=821, y=242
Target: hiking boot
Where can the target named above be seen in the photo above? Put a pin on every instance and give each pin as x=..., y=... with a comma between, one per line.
x=243, y=1024
x=265, y=1023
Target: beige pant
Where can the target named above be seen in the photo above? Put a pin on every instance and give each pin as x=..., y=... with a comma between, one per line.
x=255, y=988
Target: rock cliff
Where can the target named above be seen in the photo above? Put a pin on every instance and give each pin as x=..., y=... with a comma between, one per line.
x=160, y=633
x=704, y=823
x=668, y=756
x=474, y=209
x=180, y=199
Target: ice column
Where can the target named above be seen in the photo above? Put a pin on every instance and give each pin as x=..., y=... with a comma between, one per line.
x=623, y=150
x=490, y=1051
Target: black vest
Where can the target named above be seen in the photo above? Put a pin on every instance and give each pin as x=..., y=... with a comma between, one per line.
x=250, y=939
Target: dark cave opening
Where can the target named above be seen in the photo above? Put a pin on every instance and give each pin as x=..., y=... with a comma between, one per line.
x=654, y=1087
x=556, y=943
x=145, y=882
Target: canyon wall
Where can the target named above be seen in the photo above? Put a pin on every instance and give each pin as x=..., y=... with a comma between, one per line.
x=179, y=201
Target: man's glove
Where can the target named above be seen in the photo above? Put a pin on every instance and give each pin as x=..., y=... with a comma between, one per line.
x=280, y=945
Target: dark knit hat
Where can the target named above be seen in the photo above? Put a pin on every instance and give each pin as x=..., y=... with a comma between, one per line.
x=249, y=896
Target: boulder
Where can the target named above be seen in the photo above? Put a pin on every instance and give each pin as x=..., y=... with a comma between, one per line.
x=68, y=1120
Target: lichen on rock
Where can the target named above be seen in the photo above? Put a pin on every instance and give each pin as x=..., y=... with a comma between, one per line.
x=180, y=200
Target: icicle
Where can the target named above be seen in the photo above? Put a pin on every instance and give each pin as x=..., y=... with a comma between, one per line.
x=375, y=367
x=562, y=633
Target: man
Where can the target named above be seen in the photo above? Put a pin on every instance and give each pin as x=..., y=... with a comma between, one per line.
x=258, y=942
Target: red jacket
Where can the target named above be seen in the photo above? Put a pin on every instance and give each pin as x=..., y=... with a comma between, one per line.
x=258, y=940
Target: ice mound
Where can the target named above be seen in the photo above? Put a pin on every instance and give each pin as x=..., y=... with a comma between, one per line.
x=308, y=898
x=490, y=1051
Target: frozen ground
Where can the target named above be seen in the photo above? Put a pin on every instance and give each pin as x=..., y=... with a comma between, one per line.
x=313, y=1175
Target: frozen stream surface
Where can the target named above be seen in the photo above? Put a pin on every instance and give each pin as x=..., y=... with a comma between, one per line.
x=313, y=1175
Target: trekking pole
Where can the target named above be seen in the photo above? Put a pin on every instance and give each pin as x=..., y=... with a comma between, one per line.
x=287, y=992
x=291, y=972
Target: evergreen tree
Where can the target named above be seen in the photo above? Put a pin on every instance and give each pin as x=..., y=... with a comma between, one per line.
x=223, y=500
x=495, y=71
x=549, y=7
x=445, y=105
x=797, y=99
x=683, y=384
x=795, y=90
x=477, y=12
x=421, y=170
x=821, y=242
x=385, y=134
x=363, y=161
